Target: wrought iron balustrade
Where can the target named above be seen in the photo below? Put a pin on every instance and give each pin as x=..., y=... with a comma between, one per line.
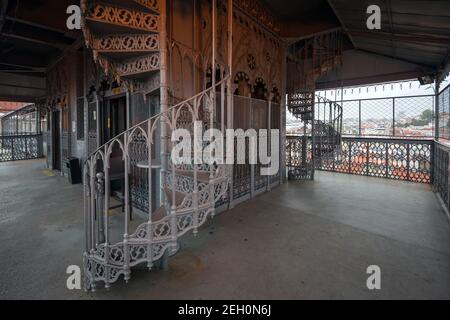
x=440, y=172
x=400, y=159
x=20, y=147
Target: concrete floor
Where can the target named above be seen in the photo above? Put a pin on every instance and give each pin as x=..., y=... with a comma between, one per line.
x=302, y=240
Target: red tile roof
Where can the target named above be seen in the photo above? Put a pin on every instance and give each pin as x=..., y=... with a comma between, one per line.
x=7, y=106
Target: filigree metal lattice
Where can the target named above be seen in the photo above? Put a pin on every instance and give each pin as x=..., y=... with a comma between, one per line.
x=440, y=172
x=190, y=193
x=150, y=4
x=130, y=43
x=20, y=147
x=139, y=65
x=123, y=17
x=408, y=160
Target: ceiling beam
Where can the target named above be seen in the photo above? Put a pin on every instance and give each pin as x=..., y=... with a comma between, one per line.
x=37, y=25
x=426, y=67
x=20, y=86
x=20, y=98
x=445, y=41
x=342, y=24
x=35, y=40
x=34, y=69
x=74, y=46
x=313, y=34
x=376, y=79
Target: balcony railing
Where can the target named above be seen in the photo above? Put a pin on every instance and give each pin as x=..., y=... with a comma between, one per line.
x=400, y=159
x=20, y=147
x=414, y=160
x=440, y=172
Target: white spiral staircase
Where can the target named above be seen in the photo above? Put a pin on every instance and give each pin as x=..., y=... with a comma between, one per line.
x=189, y=190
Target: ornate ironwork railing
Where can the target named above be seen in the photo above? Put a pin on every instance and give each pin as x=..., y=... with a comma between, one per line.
x=440, y=172
x=400, y=159
x=190, y=190
x=20, y=147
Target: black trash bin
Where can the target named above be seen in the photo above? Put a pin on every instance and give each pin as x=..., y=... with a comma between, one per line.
x=73, y=164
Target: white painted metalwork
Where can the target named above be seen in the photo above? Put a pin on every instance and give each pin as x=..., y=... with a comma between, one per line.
x=190, y=191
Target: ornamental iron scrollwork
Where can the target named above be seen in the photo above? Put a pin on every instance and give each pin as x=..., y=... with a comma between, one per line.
x=128, y=43
x=191, y=192
x=123, y=17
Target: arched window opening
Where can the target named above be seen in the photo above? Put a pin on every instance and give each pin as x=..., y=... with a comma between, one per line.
x=243, y=86
x=259, y=89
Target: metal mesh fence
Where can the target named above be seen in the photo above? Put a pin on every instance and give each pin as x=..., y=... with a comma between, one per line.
x=350, y=115
x=444, y=112
x=390, y=117
x=20, y=122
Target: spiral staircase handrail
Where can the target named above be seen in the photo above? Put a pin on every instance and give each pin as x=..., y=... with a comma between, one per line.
x=131, y=129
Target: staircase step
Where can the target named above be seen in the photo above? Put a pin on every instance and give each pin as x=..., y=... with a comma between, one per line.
x=179, y=196
x=139, y=5
x=126, y=43
x=139, y=65
x=201, y=176
x=149, y=4
x=122, y=18
x=159, y=214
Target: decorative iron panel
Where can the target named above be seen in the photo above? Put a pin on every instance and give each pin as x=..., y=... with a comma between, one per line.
x=65, y=150
x=92, y=127
x=80, y=118
x=20, y=147
x=403, y=159
x=139, y=188
x=299, y=162
x=441, y=168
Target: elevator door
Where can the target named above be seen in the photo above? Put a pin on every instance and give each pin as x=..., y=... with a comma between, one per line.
x=56, y=141
x=114, y=118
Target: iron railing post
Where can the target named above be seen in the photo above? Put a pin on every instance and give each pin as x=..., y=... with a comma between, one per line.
x=367, y=157
x=386, y=146
x=349, y=157
x=359, y=118
x=436, y=111
x=408, y=178
x=393, y=117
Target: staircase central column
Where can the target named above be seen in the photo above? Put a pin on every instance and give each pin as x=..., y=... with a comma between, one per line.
x=164, y=88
